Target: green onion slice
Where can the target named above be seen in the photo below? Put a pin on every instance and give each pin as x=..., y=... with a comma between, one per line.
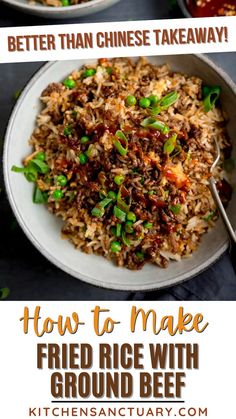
x=168, y=100
x=40, y=165
x=170, y=144
x=148, y=225
x=121, y=143
x=31, y=176
x=19, y=169
x=123, y=194
x=164, y=103
x=121, y=135
x=39, y=197
x=121, y=215
x=118, y=230
x=175, y=209
x=99, y=209
x=178, y=149
x=155, y=124
x=105, y=202
x=156, y=110
x=125, y=240
x=29, y=171
x=90, y=150
x=102, y=193
x=209, y=216
x=210, y=96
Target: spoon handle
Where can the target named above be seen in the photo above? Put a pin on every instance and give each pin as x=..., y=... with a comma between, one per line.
x=221, y=209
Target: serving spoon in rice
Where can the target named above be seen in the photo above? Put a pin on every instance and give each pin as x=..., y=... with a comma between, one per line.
x=216, y=196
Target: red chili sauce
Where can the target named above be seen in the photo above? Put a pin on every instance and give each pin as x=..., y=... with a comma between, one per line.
x=207, y=8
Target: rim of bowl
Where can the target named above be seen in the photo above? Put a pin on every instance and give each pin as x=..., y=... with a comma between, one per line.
x=183, y=6
x=39, y=7
x=113, y=286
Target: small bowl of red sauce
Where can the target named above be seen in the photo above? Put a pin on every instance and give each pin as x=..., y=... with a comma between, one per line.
x=208, y=8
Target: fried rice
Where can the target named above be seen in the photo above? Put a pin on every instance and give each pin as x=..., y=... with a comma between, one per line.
x=133, y=193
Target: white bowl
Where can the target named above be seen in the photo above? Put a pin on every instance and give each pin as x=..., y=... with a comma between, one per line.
x=68, y=12
x=43, y=229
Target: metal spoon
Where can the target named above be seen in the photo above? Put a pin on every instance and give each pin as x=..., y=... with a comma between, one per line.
x=217, y=199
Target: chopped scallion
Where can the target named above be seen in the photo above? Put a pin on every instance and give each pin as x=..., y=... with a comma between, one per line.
x=129, y=227
x=175, y=209
x=118, y=230
x=210, y=96
x=209, y=216
x=168, y=100
x=98, y=211
x=155, y=124
x=121, y=143
x=125, y=240
x=39, y=197
x=170, y=144
x=40, y=165
x=121, y=215
x=123, y=194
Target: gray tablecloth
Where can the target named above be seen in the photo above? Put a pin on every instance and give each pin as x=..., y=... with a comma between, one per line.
x=28, y=274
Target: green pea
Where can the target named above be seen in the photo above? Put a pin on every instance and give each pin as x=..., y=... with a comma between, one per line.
x=83, y=158
x=130, y=100
x=89, y=72
x=65, y=3
x=115, y=247
x=118, y=179
x=40, y=156
x=69, y=83
x=131, y=216
x=57, y=194
x=61, y=180
x=112, y=195
x=144, y=102
x=84, y=139
x=129, y=227
x=147, y=225
x=153, y=99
